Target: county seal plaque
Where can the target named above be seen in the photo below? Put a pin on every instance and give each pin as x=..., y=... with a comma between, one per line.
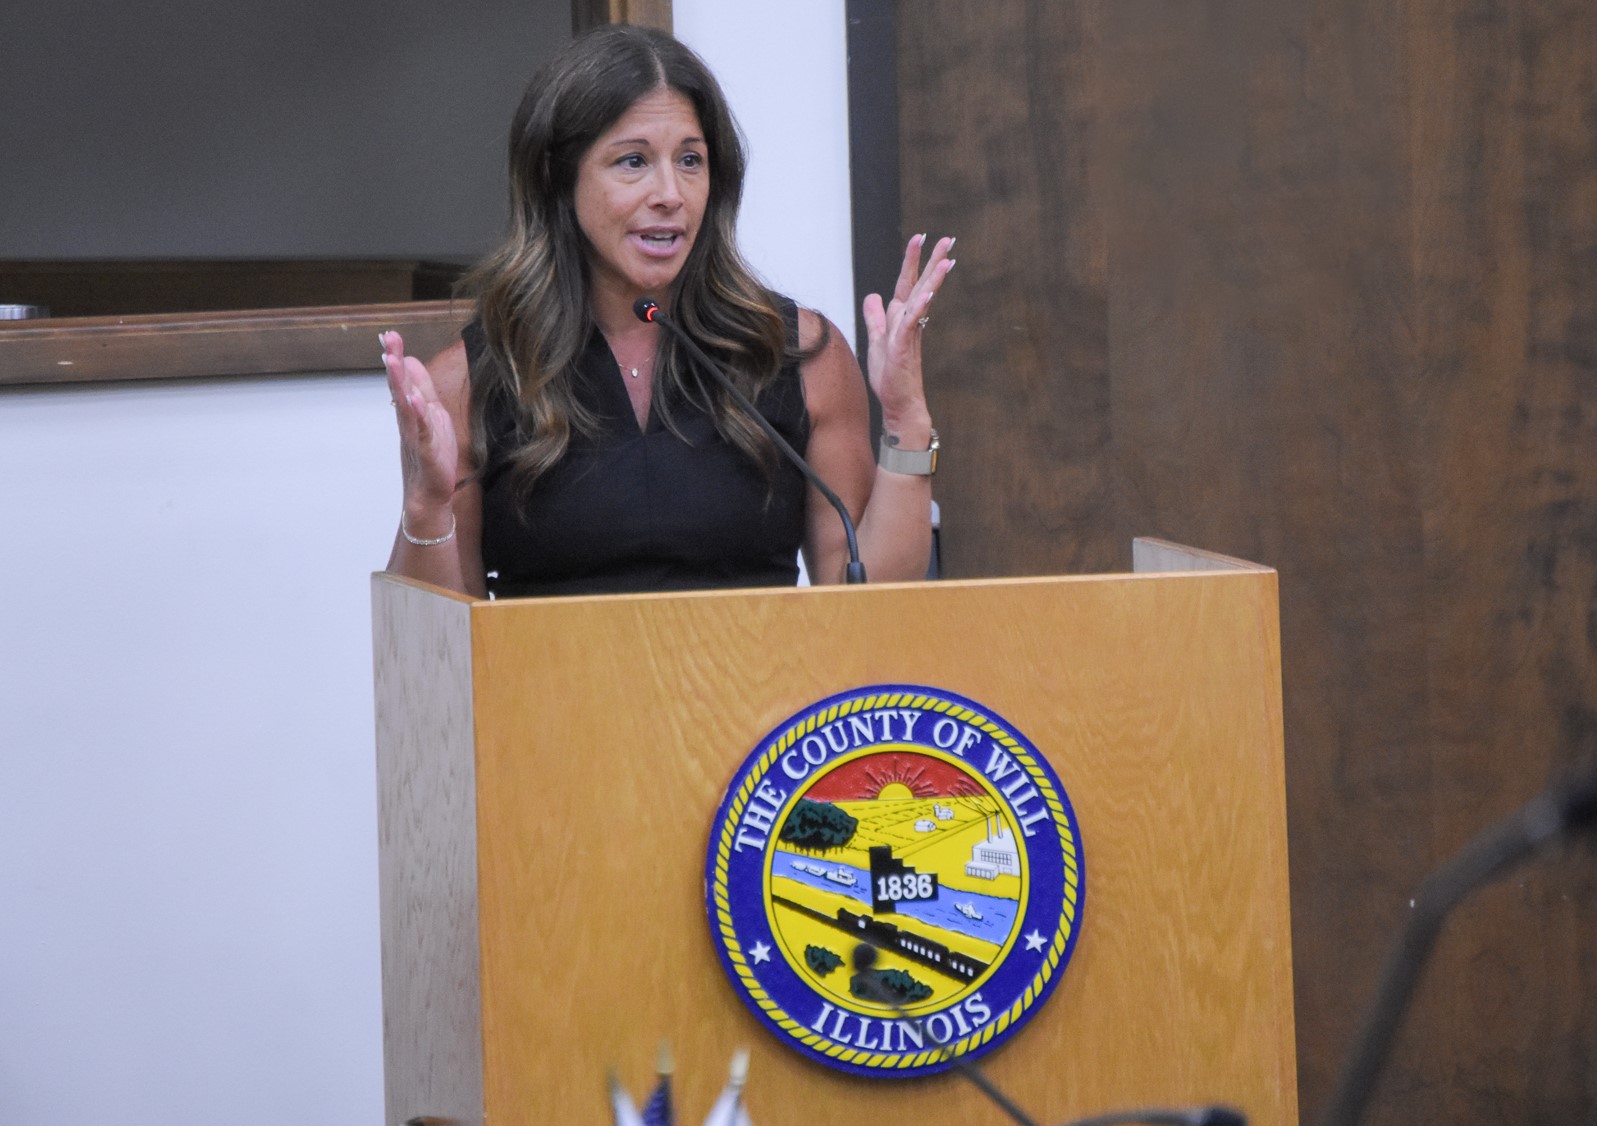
x=921, y=823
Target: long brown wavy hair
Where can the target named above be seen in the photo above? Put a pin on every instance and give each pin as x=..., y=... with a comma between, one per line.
x=532, y=292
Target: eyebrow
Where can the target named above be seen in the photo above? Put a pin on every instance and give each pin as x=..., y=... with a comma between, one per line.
x=646, y=142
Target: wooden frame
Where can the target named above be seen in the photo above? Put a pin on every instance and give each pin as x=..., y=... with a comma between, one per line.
x=204, y=345
x=320, y=340
x=586, y=14
x=877, y=236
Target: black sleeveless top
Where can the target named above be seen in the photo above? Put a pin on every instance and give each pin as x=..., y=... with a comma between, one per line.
x=630, y=510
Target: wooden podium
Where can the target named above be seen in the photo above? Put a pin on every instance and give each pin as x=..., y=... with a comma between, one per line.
x=549, y=771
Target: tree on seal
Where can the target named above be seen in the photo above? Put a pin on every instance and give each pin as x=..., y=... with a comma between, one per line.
x=822, y=960
x=818, y=825
x=874, y=985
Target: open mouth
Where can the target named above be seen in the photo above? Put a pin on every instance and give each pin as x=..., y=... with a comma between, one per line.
x=659, y=244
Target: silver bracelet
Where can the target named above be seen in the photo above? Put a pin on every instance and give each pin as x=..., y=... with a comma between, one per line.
x=445, y=538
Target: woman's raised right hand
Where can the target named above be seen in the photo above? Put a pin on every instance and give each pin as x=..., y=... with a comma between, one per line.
x=429, y=455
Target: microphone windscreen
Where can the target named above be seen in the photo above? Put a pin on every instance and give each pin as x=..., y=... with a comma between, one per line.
x=1222, y=1116
x=1580, y=802
x=643, y=308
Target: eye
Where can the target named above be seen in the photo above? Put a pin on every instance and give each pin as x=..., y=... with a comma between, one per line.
x=633, y=160
x=692, y=160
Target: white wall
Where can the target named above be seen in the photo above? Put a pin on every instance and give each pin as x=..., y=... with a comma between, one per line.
x=188, y=884
x=784, y=69
x=187, y=831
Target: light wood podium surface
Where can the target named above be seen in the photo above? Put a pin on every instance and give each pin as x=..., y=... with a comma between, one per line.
x=550, y=770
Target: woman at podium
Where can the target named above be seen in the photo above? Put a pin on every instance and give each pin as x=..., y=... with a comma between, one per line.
x=564, y=445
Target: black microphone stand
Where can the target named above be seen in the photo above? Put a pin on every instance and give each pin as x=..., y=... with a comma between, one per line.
x=865, y=960
x=1489, y=855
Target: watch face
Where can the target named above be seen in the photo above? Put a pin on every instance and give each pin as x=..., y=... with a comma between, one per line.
x=895, y=879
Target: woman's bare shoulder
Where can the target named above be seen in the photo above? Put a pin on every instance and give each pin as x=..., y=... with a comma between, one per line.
x=831, y=375
x=816, y=330
x=451, y=375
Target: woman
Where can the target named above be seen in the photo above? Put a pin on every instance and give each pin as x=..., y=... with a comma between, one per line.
x=564, y=446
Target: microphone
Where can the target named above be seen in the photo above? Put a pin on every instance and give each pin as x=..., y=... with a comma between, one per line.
x=648, y=310
x=865, y=960
x=1197, y=1116
x=1541, y=821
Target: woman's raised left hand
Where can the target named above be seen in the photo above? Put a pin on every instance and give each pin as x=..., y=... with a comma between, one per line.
x=893, y=340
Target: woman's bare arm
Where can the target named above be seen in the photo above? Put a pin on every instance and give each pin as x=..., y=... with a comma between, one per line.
x=892, y=510
x=432, y=403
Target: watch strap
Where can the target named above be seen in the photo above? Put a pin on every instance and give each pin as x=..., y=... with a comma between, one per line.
x=915, y=463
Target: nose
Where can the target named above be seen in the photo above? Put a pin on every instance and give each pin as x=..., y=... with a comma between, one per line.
x=667, y=193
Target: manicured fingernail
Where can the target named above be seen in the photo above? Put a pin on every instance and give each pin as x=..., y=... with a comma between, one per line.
x=950, y=267
x=951, y=243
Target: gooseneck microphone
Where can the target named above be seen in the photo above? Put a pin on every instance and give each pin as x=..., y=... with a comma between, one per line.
x=1541, y=821
x=865, y=961
x=1197, y=1116
x=648, y=310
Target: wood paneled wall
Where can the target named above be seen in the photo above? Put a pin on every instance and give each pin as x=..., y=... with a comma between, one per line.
x=1312, y=282
x=586, y=14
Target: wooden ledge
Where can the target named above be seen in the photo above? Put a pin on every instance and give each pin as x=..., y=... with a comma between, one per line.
x=1150, y=555
x=199, y=345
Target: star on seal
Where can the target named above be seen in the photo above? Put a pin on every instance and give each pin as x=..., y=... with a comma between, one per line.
x=760, y=952
x=1035, y=941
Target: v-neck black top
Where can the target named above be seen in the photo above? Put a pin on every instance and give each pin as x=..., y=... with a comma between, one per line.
x=632, y=509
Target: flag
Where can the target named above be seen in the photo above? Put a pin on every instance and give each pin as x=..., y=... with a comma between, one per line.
x=621, y=1107
x=728, y=1109
x=657, y=1111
